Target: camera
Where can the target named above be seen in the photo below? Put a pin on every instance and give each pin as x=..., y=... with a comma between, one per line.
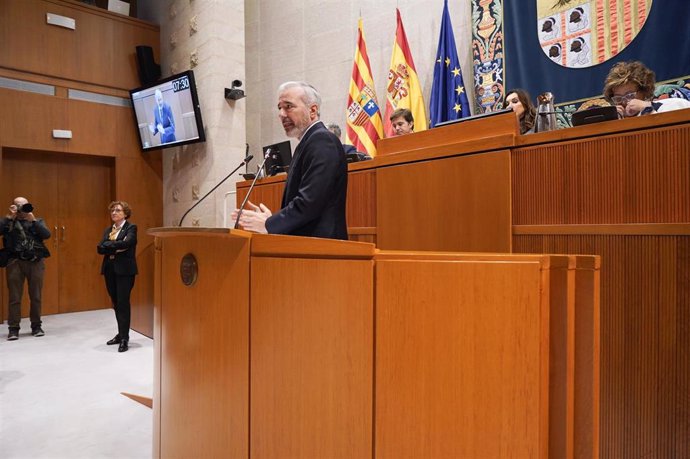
x=234, y=93
x=26, y=208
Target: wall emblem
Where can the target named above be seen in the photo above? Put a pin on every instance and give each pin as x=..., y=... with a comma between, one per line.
x=583, y=33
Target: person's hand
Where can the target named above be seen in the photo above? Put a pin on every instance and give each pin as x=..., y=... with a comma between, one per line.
x=30, y=217
x=621, y=111
x=254, y=218
x=160, y=128
x=635, y=106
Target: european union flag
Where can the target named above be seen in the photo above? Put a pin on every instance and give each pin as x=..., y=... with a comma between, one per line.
x=448, y=97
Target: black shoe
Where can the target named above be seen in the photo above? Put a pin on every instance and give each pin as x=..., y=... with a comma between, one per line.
x=37, y=331
x=115, y=340
x=123, y=346
x=13, y=335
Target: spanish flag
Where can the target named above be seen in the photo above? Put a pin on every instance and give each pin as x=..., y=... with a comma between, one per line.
x=364, y=127
x=403, y=89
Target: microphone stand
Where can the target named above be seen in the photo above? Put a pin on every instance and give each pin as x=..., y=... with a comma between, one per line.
x=244, y=161
x=251, y=187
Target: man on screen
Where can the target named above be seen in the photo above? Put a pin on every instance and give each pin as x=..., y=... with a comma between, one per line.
x=164, y=123
x=314, y=198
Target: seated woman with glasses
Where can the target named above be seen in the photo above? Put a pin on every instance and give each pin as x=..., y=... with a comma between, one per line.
x=630, y=87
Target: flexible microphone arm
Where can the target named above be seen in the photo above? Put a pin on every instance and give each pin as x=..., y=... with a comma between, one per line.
x=244, y=161
x=251, y=187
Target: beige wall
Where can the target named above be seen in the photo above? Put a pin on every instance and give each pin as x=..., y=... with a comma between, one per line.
x=315, y=41
x=208, y=37
x=264, y=43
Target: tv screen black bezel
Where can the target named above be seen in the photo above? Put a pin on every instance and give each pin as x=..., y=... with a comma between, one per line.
x=195, y=103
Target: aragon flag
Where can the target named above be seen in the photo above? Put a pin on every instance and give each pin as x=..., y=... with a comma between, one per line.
x=364, y=127
x=403, y=89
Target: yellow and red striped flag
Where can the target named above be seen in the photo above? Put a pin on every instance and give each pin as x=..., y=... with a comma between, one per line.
x=364, y=127
x=403, y=89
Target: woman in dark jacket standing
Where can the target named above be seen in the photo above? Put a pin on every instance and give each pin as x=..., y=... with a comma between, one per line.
x=119, y=267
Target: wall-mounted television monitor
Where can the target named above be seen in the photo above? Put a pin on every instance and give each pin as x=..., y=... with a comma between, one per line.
x=167, y=113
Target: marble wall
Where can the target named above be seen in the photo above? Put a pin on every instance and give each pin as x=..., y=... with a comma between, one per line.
x=207, y=36
x=264, y=43
x=314, y=40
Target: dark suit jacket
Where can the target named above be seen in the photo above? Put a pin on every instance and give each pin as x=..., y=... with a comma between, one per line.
x=316, y=188
x=125, y=262
x=167, y=121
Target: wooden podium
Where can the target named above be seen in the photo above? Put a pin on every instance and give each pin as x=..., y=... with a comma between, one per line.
x=299, y=347
x=279, y=324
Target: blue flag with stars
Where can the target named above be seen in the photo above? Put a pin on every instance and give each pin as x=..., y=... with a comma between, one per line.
x=448, y=97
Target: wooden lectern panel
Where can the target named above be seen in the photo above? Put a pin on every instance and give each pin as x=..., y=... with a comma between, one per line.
x=311, y=358
x=203, y=347
x=461, y=360
x=457, y=204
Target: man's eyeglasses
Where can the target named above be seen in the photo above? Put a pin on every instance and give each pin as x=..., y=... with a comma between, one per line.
x=624, y=99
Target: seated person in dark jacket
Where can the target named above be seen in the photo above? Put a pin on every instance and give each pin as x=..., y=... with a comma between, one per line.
x=316, y=188
x=349, y=149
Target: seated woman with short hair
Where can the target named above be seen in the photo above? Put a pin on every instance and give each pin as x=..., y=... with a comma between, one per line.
x=630, y=87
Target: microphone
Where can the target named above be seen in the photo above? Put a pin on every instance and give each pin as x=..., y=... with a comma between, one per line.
x=244, y=161
x=251, y=187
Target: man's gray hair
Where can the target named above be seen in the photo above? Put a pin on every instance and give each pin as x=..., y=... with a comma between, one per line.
x=335, y=129
x=311, y=95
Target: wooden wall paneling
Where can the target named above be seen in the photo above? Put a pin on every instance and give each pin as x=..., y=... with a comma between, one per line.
x=361, y=199
x=157, y=350
x=99, y=56
x=639, y=177
x=644, y=360
x=448, y=334
x=616, y=127
x=97, y=129
x=454, y=204
x=204, y=371
x=484, y=131
x=68, y=189
x=100, y=129
x=33, y=175
x=312, y=344
x=267, y=191
x=140, y=183
x=85, y=184
x=681, y=428
x=584, y=325
x=559, y=304
x=28, y=120
x=100, y=50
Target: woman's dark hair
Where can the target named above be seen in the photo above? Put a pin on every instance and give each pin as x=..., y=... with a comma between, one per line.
x=528, y=118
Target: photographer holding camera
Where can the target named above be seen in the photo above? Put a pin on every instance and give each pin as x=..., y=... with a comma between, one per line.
x=23, y=235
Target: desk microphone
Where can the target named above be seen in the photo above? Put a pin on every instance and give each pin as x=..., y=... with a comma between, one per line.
x=244, y=161
x=251, y=187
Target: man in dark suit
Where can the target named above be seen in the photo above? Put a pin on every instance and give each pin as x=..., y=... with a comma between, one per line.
x=164, y=123
x=316, y=187
x=119, y=267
